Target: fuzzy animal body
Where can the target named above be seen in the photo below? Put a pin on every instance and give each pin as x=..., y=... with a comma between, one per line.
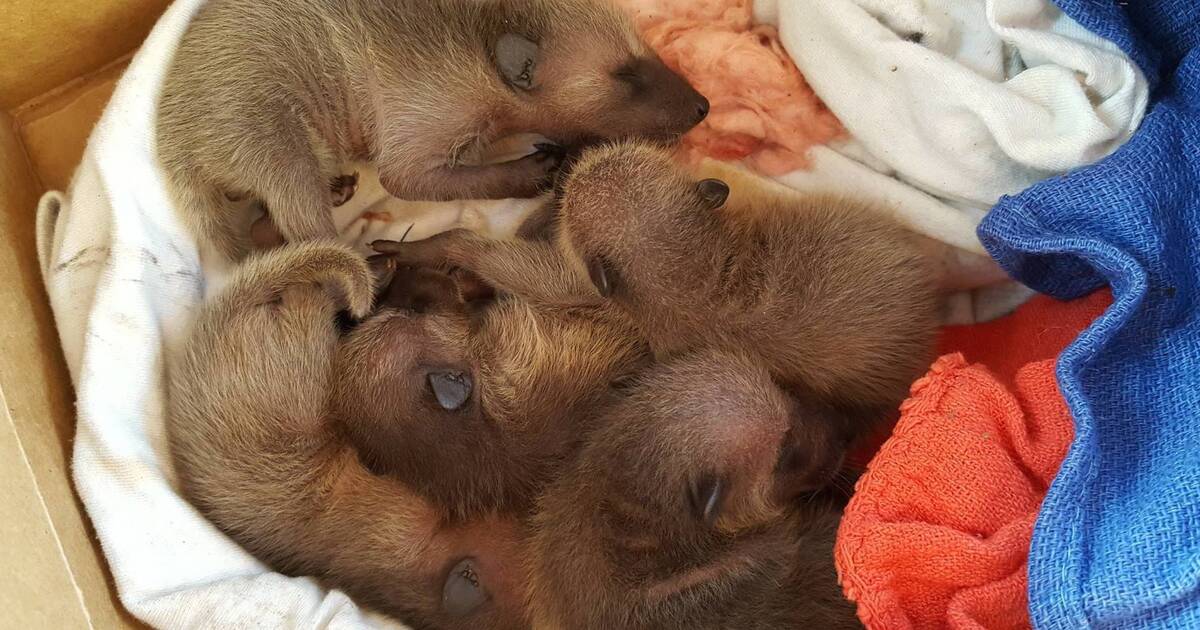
x=839, y=302
x=669, y=517
x=265, y=99
x=487, y=402
x=258, y=452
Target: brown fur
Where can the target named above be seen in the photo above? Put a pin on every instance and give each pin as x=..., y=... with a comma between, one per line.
x=257, y=452
x=618, y=541
x=839, y=301
x=266, y=98
x=534, y=369
x=832, y=295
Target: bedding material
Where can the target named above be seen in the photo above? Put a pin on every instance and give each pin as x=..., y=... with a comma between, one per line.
x=950, y=551
x=1115, y=544
x=984, y=432
x=960, y=103
x=762, y=111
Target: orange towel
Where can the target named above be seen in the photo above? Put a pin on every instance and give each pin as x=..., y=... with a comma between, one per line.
x=1040, y=329
x=937, y=534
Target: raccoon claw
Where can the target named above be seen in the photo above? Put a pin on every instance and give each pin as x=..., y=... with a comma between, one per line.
x=384, y=246
x=548, y=151
x=343, y=188
x=411, y=255
x=550, y=159
x=383, y=268
x=441, y=251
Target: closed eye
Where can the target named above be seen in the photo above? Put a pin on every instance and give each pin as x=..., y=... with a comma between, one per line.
x=630, y=76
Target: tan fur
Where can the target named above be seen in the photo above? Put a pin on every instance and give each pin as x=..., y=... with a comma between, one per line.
x=535, y=369
x=839, y=301
x=266, y=98
x=258, y=454
x=617, y=543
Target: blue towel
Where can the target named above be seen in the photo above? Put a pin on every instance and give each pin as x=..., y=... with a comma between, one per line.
x=1117, y=543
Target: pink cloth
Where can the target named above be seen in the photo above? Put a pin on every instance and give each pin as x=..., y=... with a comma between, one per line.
x=762, y=109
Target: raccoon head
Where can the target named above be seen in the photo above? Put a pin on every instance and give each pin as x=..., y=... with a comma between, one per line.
x=587, y=76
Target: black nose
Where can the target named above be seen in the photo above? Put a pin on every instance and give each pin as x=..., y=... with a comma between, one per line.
x=701, y=109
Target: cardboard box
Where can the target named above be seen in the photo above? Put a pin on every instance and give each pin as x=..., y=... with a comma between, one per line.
x=61, y=62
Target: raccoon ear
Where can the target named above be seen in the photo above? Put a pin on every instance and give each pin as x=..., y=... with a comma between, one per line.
x=517, y=58
x=714, y=192
x=462, y=594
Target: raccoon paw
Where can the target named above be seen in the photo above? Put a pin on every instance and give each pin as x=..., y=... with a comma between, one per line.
x=343, y=188
x=441, y=251
x=547, y=151
x=548, y=160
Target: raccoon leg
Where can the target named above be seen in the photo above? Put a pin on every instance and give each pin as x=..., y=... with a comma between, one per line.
x=342, y=188
x=291, y=177
x=533, y=270
x=264, y=234
x=523, y=178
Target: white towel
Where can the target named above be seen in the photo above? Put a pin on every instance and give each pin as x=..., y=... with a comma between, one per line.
x=124, y=278
x=954, y=103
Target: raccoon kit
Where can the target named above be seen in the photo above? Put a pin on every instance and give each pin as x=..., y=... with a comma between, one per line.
x=839, y=302
x=259, y=453
x=482, y=407
x=674, y=516
x=265, y=99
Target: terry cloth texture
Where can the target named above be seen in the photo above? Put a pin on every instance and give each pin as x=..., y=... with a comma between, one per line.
x=1116, y=545
x=959, y=101
x=937, y=534
x=984, y=442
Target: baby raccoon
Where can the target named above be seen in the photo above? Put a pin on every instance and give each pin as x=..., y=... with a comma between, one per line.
x=838, y=301
x=481, y=408
x=258, y=452
x=672, y=517
x=265, y=99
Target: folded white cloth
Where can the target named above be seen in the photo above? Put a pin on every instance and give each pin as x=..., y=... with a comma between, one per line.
x=954, y=103
x=124, y=278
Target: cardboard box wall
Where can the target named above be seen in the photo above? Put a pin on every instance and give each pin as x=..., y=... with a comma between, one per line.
x=59, y=62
